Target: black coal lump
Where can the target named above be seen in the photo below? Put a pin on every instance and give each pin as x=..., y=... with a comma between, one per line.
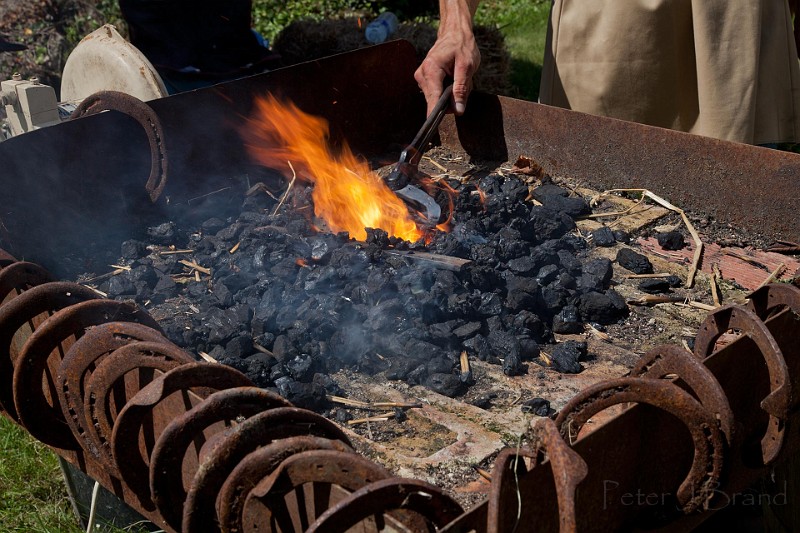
x=572, y=206
x=446, y=384
x=569, y=262
x=213, y=225
x=133, y=249
x=503, y=343
x=537, y=406
x=478, y=346
x=163, y=233
x=547, y=274
x=565, y=357
x=558, y=198
x=654, y=286
x=674, y=281
x=259, y=369
x=671, y=240
x=222, y=294
x=553, y=298
x=283, y=349
x=633, y=261
x=239, y=347
x=622, y=236
x=400, y=368
x=512, y=365
x=528, y=348
x=120, y=286
x=467, y=330
x=567, y=321
x=528, y=323
x=484, y=401
x=300, y=367
x=603, y=236
x=603, y=308
x=546, y=223
x=547, y=189
x=596, y=275
x=303, y=395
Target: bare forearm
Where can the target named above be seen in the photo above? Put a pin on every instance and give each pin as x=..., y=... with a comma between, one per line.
x=454, y=54
x=456, y=14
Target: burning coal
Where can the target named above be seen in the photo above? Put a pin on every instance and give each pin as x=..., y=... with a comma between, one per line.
x=347, y=195
x=268, y=293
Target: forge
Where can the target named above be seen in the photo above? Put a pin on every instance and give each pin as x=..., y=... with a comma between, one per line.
x=227, y=362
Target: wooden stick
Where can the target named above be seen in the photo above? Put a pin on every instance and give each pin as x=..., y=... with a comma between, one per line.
x=375, y=405
x=697, y=305
x=714, y=287
x=377, y=418
x=103, y=276
x=647, y=276
x=207, y=195
x=653, y=299
x=434, y=163
x=599, y=334
x=98, y=291
x=773, y=276
x=262, y=349
x=485, y=474
x=289, y=188
x=260, y=187
x=446, y=262
x=466, y=370
x=207, y=357
x=121, y=267
x=173, y=252
x=192, y=264
x=235, y=247
x=746, y=259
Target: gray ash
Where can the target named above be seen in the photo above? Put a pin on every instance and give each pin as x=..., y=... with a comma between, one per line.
x=291, y=304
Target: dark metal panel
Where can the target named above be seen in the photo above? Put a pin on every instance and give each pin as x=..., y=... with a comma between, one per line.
x=81, y=183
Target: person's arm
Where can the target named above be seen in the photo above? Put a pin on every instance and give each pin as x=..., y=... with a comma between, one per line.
x=454, y=54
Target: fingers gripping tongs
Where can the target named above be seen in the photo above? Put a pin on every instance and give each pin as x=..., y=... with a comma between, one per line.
x=406, y=171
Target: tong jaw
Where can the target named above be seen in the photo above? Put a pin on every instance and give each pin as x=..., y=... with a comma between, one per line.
x=407, y=168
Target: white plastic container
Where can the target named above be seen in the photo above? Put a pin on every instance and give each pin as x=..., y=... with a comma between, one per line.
x=381, y=28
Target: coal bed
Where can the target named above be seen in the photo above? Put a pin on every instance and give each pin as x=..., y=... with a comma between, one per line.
x=290, y=305
x=432, y=355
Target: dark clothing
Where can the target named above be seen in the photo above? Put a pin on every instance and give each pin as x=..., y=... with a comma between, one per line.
x=197, y=38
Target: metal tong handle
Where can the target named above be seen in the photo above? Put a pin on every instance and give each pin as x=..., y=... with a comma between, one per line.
x=413, y=152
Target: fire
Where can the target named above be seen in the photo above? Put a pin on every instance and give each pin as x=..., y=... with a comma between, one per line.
x=347, y=195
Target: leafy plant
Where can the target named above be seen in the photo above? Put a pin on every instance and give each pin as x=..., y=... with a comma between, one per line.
x=271, y=16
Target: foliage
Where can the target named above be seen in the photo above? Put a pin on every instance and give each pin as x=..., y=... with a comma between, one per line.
x=524, y=25
x=271, y=16
x=76, y=19
x=32, y=493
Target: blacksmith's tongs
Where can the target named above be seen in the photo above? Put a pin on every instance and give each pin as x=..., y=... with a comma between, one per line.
x=406, y=170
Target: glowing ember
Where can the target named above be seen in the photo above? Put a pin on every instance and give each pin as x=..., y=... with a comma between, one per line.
x=347, y=195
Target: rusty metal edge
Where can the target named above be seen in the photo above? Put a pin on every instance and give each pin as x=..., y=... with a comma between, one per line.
x=745, y=186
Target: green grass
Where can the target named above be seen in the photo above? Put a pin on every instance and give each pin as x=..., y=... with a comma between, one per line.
x=524, y=26
x=33, y=497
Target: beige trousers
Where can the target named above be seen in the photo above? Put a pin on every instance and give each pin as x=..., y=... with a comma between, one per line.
x=720, y=68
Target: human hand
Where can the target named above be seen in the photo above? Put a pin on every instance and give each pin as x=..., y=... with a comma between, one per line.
x=454, y=54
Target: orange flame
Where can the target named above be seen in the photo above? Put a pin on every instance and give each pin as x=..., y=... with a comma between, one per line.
x=347, y=194
x=481, y=196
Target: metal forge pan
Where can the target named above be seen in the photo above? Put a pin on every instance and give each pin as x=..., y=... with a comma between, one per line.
x=63, y=182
